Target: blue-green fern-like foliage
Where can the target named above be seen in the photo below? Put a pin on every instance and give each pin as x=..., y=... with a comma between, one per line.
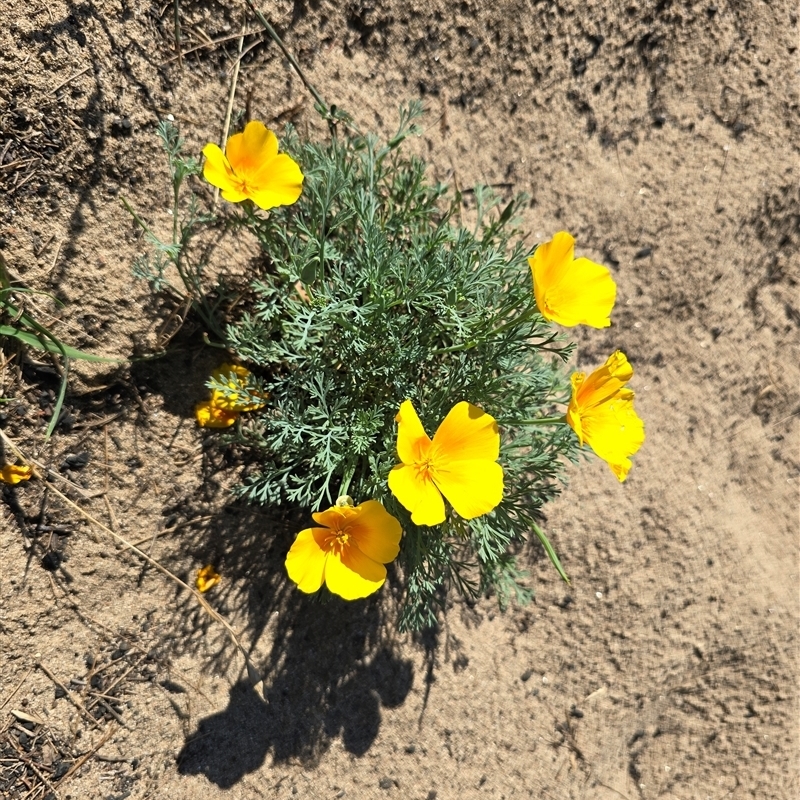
x=375, y=291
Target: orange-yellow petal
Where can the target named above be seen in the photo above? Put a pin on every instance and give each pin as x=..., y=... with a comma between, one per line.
x=306, y=559
x=251, y=168
x=573, y=415
x=217, y=170
x=279, y=182
x=418, y=494
x=473, y=488
x=14, y=473
x=604, y=382
x=602, y=415
x=375, y=532
x=412, y=441
x=249, y=150
x=334, y=517
x=206, y=578
x=571, y=291
x=209, y=415
x=550, y=261
x=467, y=433
x=235, y=377
x=352, y=575
x=614, y=431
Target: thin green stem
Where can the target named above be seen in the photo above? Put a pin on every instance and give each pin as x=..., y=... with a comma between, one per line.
x=524, y=317
x=139, y=221
x=323, y=108
x=550, y=551
x=176, y=188
x=542, y=421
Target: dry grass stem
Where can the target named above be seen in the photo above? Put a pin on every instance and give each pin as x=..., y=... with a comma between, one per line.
x=69, y=80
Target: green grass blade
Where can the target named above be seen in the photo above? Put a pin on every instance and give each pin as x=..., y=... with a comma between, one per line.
x=550, y=552
x=50, y=346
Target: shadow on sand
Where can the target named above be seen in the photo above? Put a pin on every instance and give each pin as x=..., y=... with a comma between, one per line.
x=330, y=668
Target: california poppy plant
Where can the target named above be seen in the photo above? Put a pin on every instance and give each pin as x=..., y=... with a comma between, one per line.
x=224, y=407
x=571, y=291
x=601, y=413
x=347, y=554
x=252, y=169
x=460, y=462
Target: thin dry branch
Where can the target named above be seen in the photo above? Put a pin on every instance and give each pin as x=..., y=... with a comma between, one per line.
x=252, y=673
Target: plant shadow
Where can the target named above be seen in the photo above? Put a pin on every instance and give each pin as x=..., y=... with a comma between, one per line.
x=330, y=669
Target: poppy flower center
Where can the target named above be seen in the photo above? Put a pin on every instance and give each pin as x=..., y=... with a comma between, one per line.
x=548, y=309
x=425, y=466
x=337, y=540
x=243, y=186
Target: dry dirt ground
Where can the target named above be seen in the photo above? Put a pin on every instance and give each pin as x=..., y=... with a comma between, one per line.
x=664, y=135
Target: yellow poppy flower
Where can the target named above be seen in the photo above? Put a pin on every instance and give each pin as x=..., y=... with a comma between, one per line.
x=210, y=416
x=601, y=413
x=571, y=291
x=459, y=463
x=206, y=578
x=252, y=169
x=223, y=409
x=15, y=473
x=234, y=377
x=349, y=553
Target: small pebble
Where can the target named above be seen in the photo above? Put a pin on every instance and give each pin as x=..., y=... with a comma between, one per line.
x=75, y=460
x=52, y=560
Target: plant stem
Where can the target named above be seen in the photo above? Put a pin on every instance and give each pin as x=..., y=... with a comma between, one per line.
x=139, y=221
x=550, y=551
x=277, y=39
x=524, y=317
x=542, y=421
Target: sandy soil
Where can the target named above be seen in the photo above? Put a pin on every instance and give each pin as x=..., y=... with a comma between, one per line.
x=665, y=137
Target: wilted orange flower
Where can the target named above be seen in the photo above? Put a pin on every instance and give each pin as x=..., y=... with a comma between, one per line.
x=236, y=378
x=206, y=578
x=223, y=409
x=252, y=169
x=459, y=463
x=210, y=416
x=13, y=474
x=571, y=291
x=601, y=413
x=349, y=553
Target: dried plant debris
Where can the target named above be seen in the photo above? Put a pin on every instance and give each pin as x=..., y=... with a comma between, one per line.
x=100, y=690
x=36, y=760
x=33, y=758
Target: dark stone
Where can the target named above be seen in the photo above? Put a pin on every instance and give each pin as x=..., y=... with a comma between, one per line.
x=52, y=560
x=75, y=460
